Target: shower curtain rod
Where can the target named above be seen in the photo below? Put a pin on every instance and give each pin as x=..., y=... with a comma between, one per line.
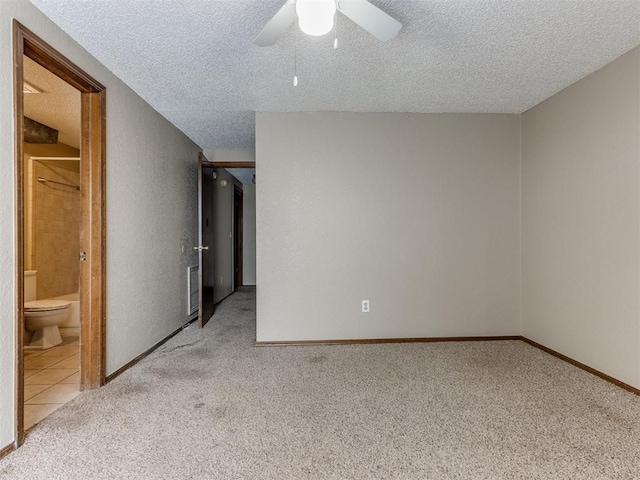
x=46, y=180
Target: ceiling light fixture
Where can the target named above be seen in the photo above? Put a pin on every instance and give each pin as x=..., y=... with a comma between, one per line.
x=316, y=16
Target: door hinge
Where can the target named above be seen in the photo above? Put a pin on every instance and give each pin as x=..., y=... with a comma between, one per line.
x=83, y=256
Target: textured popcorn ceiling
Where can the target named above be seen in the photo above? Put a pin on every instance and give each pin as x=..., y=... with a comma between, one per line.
x=194, y=60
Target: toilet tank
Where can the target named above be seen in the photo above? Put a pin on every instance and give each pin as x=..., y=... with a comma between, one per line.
x=29, y=285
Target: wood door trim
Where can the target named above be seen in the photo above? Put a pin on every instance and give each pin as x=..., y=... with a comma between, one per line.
x=40, y=52
x=234, y=164
x=93, y=241
x=7, y=450
x=18, y=62
x=93, y=236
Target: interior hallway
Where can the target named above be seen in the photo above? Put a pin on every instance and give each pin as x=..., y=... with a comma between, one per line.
x=210, y=405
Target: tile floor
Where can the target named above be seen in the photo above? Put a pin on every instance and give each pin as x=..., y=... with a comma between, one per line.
x=51, y=379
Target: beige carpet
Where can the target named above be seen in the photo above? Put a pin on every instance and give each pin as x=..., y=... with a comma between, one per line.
x=208, y=405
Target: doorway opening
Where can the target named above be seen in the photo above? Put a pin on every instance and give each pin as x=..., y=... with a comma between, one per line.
x=240, y=176
x=224, y=245
x=60, y=229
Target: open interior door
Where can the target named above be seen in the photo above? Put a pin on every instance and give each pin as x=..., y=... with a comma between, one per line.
x=205, y=239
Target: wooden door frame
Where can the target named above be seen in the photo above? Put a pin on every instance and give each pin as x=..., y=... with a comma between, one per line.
x=93, y=195
x=234, y=164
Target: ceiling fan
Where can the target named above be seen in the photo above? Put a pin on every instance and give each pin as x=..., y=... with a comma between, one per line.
x=316, y=17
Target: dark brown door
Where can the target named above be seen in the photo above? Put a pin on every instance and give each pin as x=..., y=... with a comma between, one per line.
x=237, y=233
x=205, y=238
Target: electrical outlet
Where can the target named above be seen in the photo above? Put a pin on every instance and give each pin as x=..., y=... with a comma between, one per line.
x=365, y=306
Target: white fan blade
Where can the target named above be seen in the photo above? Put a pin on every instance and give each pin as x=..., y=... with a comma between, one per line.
x=279, y=24
x=379, y=24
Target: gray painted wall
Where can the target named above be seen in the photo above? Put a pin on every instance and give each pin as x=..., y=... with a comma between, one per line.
x=223, y=227
x=249, y=234
x=151, y=205
x=580, y=220
x=417, y=213
x=229, y=155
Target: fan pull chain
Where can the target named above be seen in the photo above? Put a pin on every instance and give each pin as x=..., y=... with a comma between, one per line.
x=295, y=56
x=335, y=30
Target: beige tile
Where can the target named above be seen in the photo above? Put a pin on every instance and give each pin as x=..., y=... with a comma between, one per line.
x=30, y=373
x=75, y=378
x=61, y=393
x=50, y=376
x=40, y=362
x=61, y=352
x=69, y=362
x=34, y=413
x=32, y=390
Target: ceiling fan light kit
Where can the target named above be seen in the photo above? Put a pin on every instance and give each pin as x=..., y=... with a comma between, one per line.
x=319, y=17
x=315, y=17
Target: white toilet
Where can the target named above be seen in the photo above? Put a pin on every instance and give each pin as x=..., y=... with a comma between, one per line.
x=41, y=317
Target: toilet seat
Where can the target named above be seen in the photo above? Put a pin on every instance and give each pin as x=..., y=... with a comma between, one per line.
x=45, y=305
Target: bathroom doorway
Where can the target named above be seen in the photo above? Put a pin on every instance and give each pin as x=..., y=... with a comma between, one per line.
x=49, y=176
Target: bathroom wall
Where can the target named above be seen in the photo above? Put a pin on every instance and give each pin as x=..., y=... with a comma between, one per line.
x=56, y=240
x=52, y=220
x=39, y=150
